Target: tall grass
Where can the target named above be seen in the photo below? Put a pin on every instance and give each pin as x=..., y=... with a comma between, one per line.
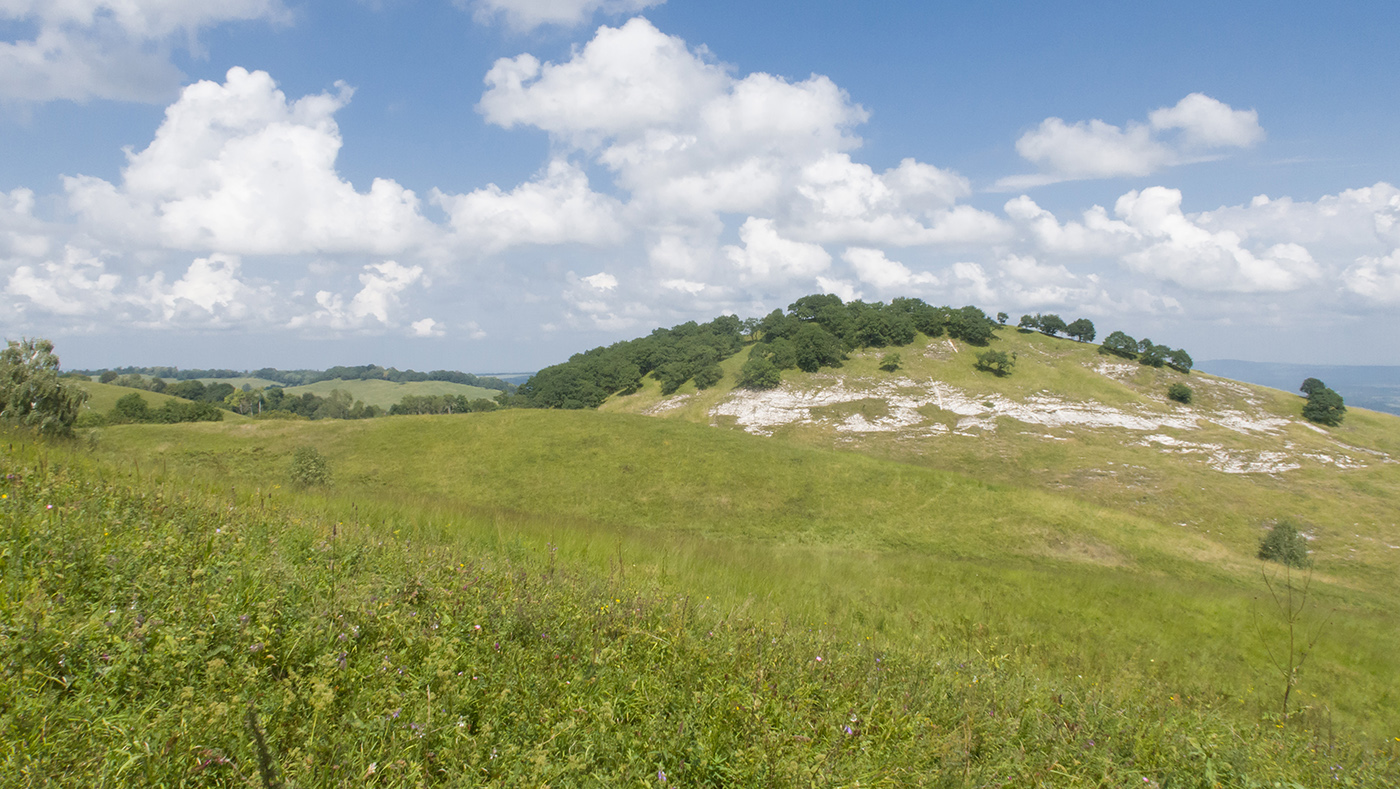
x=153, y=635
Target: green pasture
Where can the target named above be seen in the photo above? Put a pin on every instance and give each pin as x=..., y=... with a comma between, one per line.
x=857, y=546
x=387, y=393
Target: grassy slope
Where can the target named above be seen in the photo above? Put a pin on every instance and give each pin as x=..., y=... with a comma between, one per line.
x=101, y=398
x=387, y=393
x=869, y=547
x=1352, y=512
x=147, y=636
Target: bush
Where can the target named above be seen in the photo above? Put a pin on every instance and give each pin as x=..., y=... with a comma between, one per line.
x=996, y=362
x=309, y=467
x=1286, y=545
x=708, y=376
x=759, y=373
x=1179, y=392
x=890, y=362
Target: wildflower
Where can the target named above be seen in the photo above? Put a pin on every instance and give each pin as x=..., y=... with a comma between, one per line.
x=819, y=658
x=49, y=507
x=661, y=776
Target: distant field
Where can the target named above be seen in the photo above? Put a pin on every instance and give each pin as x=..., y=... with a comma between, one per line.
x=387, y=393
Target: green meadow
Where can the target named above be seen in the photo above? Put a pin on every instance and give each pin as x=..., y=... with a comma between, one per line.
x=388, y=393
x=532, y=597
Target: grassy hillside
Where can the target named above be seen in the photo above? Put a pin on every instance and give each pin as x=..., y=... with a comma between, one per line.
x=387, y=393
x=870, y=548
x=101, y=398
x=1219, y=468
x=155, y=635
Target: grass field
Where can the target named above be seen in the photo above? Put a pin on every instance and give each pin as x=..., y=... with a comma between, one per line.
x=156, y=635
x=387, y=393
x=869, y=547
x=992, y=606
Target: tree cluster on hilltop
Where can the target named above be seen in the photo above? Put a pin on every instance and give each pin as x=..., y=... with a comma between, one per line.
x=815, y=331
x=1146, y=352
x=1050, y=324
x=673, y=356
x=133, y=376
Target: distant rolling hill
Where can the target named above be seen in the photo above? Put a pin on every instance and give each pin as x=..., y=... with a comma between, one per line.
x=1375, y=387
x=387, y=393
x=101, y=398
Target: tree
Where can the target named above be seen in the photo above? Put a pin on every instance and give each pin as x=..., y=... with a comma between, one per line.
x=816, y=348
x=1179, y=392
x=890, y=362
x=1029, y=323
x=31, y=392
x=1324, y=406
x=1081, y=329
x=1002, y=318
x=1052, y=324
x=1311, y=385
x=1180, y=361
x=131, y=408
x=996, y=362
x=107, y=376
x=759, y=373
x=1120, y=344
x=1152, y=354
x=708, y=376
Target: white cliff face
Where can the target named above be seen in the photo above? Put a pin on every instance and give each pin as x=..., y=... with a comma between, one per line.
x=907, y=401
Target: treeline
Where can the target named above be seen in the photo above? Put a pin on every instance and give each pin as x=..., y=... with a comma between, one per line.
x=815, y=331
x=128, y=376
x=820, y=331
x=675, y=355
x=441, y=404
x=1146, y=352
x=133, y=408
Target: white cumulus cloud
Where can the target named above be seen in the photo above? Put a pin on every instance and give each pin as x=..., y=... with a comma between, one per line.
x=767, y=256
x=1176, y=248
x=530, y=14
x=239, y=169
x=110, y=49
x=1096, y=149
x=376, y=302
x=874, y=269
x=1376, y=279
x=556, y=208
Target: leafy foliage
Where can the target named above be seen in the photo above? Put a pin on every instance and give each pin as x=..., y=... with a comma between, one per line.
x=1324, y=406
x=1179, y=392
x=309, y=467
x=1081, y=329
x=31, y=392
x=759, y=373
x=1285, y=544
x=890, y=362
x=1120, y=344
x=999, y=363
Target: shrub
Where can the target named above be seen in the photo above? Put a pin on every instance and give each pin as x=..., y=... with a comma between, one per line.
x=758, y=373
x=1286, y=545
x=890, y=362
x=309, y=467
x=708, y=376
x=1179, y=392
x=996, y=362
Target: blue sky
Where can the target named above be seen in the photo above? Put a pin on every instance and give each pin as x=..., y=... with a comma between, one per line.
x=492, y=185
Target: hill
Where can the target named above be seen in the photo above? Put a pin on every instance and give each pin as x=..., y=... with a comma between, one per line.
x=387, y=393
x=101, y=398
x=1376, y=387
x=168, y=636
